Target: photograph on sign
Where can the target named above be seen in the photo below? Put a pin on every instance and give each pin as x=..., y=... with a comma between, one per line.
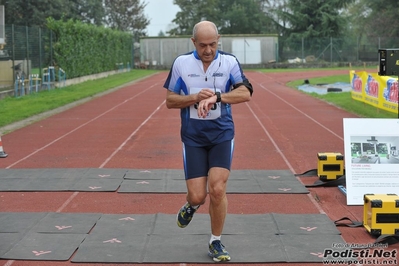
x=372, y=157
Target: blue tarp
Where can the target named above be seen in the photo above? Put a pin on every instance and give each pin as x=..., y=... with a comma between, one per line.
x=326, y=88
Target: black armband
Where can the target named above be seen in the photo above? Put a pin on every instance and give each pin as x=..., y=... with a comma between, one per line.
x=246, y=84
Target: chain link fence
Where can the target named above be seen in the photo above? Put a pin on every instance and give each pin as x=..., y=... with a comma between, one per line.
x=331, y=51
x=29, y=50
x=26, y=51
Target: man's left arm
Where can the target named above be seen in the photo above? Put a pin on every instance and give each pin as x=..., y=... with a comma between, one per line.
x=242, y=92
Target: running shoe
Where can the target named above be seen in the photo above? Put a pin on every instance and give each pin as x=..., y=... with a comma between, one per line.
x=185, y=215
x=217, y=252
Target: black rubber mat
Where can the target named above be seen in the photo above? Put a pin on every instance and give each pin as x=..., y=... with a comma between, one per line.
x=66, y=223
x=43, y=236
x=142, y=180
x=155, y=238
x=240, y=181
x=8, y=240
x=249, y=239
x=18, y=222
x=60, y=179
x=38, y=246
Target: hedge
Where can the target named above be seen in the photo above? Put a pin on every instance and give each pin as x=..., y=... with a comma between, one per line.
x=82, y=49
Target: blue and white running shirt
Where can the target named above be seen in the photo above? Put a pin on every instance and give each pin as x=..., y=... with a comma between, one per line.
x=186, y=77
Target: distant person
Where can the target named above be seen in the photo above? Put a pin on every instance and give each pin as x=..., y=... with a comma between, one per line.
x=203, y=84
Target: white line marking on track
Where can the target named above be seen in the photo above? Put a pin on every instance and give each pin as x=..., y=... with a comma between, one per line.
x=131, y=135
x=317, y=205
x=79, y=127
x=67, y=201
x=308, y=116
x=271, y=139
x=110, y=157
x=284, y=158
x=10, y=262
x=113, y=154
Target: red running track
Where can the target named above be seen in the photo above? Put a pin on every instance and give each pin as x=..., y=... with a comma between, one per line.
x=280, y=128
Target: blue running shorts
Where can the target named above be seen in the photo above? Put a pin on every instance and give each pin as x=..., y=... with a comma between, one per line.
x=198, y=160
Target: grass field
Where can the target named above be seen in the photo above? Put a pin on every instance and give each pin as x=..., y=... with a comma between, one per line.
x=344, y=99
x=16, y=109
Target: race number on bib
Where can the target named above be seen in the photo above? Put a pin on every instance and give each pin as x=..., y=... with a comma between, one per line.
x=213, y=113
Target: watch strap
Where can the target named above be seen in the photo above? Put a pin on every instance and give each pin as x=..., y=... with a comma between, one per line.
x=218, y=97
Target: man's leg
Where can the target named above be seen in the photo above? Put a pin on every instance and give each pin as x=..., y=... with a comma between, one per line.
x=196, y=190
x=196, y=171
x=217, y=182
x=220, y=157
x=196, y=195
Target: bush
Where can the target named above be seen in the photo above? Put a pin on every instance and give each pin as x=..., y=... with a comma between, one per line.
x=82, y=49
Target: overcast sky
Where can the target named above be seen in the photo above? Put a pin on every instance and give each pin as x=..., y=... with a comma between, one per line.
x=160, y=13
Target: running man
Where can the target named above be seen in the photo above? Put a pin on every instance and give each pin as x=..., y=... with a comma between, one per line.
x=204, y=84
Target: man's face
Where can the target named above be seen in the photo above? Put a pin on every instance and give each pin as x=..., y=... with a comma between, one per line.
x=206, y=44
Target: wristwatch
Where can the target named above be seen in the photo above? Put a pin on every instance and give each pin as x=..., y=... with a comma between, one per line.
x=218, y=97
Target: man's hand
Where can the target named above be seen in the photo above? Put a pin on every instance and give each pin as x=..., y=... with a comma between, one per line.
x=204, y=94
x=205, y=106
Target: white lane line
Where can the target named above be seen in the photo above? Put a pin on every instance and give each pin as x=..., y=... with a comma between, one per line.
x=79, y=127
x=284, y=158
x=131, y=135
x=303, y=113
x=315, y=203
x=114, y=153
x=272, y=140
x=10, y=262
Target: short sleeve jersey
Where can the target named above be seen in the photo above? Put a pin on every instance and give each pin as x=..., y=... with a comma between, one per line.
x=187, y=77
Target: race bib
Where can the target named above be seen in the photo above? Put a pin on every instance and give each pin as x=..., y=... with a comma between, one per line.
x=214, y=113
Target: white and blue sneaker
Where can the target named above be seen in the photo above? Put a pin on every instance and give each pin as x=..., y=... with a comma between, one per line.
x=217, y=252
x=185, y=215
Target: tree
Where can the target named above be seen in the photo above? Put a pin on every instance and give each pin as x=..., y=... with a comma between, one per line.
x=161, y=34
x=309, y=25
x=88, y=11
x=237, y=16
x=36, y=12
x=243, y=17
x=191, y=12
x=309, y=18
x=126, y=15
x=33, y=12
x=382, y=19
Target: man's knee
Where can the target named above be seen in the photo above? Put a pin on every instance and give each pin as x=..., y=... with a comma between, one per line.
x=196, y=188
x=196, y=198
x=217, y=192
x=218, y=183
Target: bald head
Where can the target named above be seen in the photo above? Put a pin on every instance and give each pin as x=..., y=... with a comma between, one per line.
x=206, y=27
x=205, y=39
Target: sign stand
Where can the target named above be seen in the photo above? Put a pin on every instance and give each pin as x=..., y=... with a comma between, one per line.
x=389, y=64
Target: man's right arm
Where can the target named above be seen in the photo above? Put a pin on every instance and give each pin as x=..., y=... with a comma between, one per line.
x=174, y=100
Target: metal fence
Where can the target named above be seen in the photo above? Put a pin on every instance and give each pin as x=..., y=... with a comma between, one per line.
x=160, y=51
x=26, y=51
x=249, y=49
x=345, y=49
x=29, y=50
